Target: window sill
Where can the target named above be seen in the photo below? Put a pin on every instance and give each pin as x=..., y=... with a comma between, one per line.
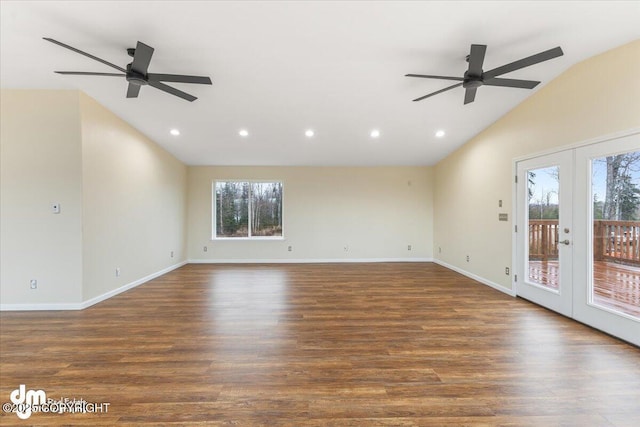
x=245, y=239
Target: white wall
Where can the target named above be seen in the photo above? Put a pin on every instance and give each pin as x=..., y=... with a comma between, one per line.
x=597, y=97
x=134, y=203
x=41, y=165
x=374, y=211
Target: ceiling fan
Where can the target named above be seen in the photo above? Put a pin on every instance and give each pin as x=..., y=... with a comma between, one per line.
x=475, y=77
x=136, y=72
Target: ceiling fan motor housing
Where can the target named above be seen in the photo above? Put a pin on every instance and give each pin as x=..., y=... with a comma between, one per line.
x=471, y=81
x=135, y=78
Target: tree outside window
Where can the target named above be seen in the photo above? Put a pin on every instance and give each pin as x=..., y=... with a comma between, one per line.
x=245, y=209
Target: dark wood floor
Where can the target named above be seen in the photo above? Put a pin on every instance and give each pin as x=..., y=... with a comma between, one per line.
x=320, y=345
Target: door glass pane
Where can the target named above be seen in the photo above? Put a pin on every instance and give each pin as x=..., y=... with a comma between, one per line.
x=543, y=219
x=615, y=191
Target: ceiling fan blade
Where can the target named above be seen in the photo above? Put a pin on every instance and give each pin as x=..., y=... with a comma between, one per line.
x=439, y=91
x=522, y=84
x=88, y=73
x=476, y=59
x=425, y=76
x=142, y=58
x=178, y=78
x=525, y=62
x=133, y=90
x=470, y=95
x=173, y=91
x=88, y=55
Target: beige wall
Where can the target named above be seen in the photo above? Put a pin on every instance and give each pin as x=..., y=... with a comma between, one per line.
x=597, y=97
x=41, y=165
x=134, y=203
x=375, y=211
x=123, y=201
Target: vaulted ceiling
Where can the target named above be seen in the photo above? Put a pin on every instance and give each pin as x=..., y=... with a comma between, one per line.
x=280, y=68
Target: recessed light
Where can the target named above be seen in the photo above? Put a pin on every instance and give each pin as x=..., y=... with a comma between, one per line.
x=309, y=133
x=243, y=133
x=375, y=133
x=174, y=132
x=440, y=133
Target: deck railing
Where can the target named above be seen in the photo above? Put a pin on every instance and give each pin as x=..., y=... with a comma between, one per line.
x=543, y=238
x=617, y=241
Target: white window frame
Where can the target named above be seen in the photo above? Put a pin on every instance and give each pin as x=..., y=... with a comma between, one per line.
x=214, y=218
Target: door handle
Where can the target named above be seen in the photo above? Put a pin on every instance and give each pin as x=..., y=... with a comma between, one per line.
x=564, y=242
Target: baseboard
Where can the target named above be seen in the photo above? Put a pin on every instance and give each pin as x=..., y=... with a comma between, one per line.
x=306, y=260
x=92, y=301
x=41, y=307
x=482, y=280
x=121, y=289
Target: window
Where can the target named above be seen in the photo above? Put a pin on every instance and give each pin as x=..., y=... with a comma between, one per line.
x=245, y=209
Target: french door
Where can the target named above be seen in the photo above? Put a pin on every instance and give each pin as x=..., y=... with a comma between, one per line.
x=578, y=234
x=544, y=231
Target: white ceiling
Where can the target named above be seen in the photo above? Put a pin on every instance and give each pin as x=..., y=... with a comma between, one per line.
x=279, y=68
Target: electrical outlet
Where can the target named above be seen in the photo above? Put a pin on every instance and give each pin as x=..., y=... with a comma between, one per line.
x=205, y=249
x=55, y=208
x=468, y=258
x=506, y=271
x=290, y=248
x=499, y=203
x=33, y=284
x=408, y=247
x=439, y=250
x=171, y=254
x=346, y=248
x=117, y=271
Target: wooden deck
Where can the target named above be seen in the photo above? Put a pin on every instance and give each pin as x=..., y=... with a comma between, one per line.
x=616, y=286
x=310, y=345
